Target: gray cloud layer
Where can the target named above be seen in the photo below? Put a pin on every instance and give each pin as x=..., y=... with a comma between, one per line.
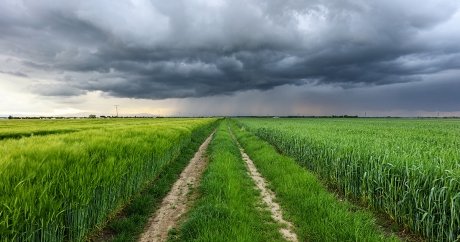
x=194, y=48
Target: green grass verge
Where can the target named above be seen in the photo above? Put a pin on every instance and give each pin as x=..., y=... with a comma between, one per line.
x=229, y=207
x=316, y=213
x=130, y=222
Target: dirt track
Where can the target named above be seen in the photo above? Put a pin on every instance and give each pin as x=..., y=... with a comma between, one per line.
x=268, y=197
x=179, y=199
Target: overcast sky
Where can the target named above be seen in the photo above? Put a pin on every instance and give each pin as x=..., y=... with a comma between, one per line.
x=230, y=57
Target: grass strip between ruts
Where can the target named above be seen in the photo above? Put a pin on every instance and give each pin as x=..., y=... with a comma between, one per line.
x=229, y=208
x=317, y=214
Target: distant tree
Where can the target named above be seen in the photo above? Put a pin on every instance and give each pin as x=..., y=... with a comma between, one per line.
x=92, y=116
x=10, y=117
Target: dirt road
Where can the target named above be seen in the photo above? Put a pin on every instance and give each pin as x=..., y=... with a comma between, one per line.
x=179, y=199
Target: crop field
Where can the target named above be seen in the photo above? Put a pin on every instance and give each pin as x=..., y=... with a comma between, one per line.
x=59, y=186
x=410, y=169
x=260, y=179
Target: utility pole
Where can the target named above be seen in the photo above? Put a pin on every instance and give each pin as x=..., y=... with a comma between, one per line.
x=116, y=109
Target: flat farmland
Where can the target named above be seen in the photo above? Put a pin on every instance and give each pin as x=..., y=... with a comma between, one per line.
x=407, y=168
x=59, y=179
x=230, y=179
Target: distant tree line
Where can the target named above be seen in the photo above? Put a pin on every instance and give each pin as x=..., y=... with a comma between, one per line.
x=91, y=116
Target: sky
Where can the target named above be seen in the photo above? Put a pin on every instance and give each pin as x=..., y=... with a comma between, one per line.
x=230, y=57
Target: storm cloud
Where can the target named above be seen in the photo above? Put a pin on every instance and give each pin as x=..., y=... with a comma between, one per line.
x=196, y=48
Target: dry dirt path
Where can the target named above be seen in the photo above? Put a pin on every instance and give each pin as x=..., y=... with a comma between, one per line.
x=268, y=197
x=179, y=199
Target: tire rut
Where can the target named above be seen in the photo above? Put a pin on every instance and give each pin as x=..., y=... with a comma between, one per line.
x=179, y=199
x=268, y=196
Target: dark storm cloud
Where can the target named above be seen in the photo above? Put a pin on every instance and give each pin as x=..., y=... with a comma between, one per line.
x=56, y=90
x=439, y=94
x=161, y=49
x=15, y=73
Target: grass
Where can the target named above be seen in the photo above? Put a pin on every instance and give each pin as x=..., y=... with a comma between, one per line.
x=229, y=208
x=406, y=168
x=127, y=225
x=60, y=180
x=316, y=213
x=16, y=129
x=61, y=186
x=19, y=135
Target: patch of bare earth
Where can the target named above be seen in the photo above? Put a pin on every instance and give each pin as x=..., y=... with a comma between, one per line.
x=179, y=199
x=268, y=197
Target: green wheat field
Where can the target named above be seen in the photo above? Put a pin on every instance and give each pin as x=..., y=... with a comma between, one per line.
x=336, y=179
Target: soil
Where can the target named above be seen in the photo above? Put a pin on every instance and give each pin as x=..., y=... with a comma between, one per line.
x=269, y=198
x=179, y=199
